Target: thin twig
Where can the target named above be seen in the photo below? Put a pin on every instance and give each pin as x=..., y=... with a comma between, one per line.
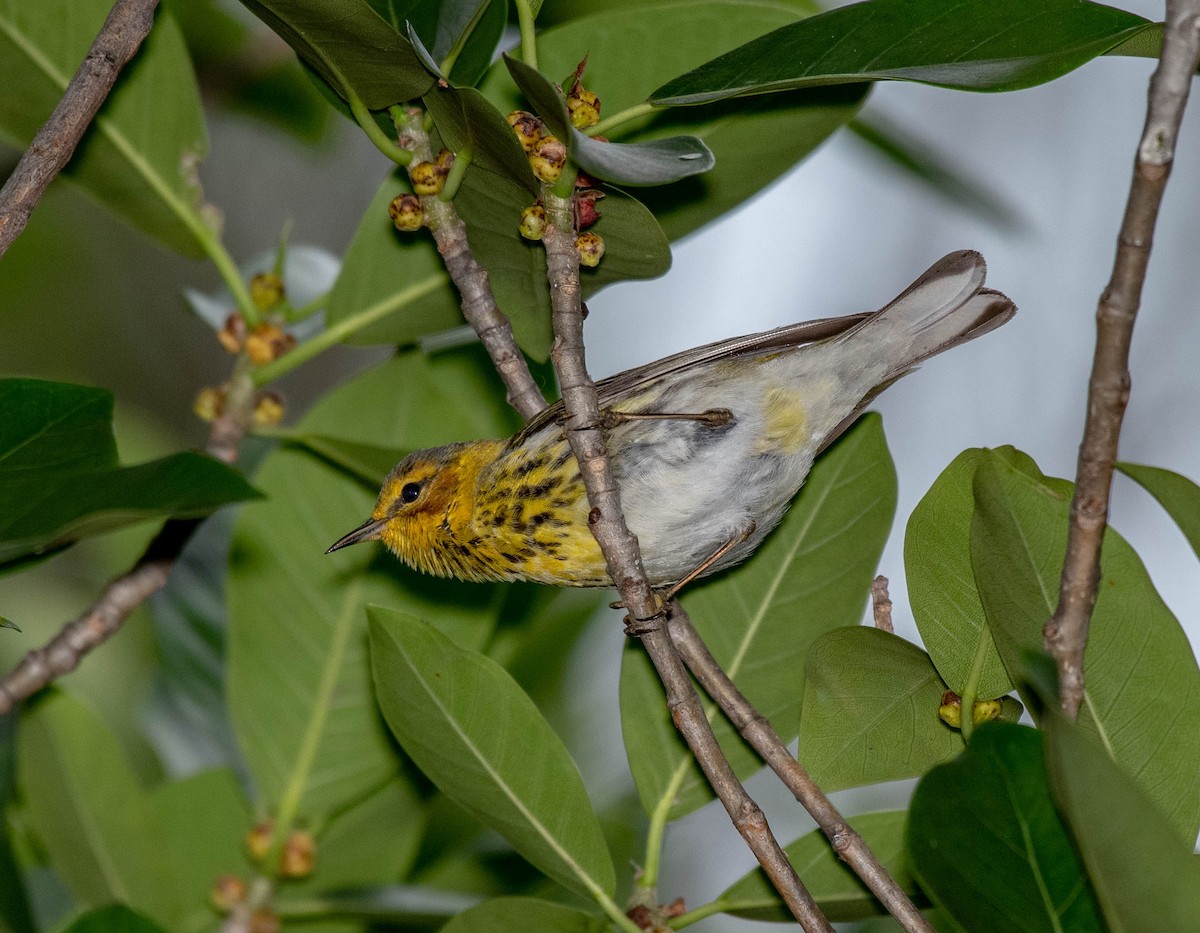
x=63, y=653
x=624, y=560
x=478, y=302
x=757, y=730
x=881, y=604
x=127, y=25
x=1108, y=387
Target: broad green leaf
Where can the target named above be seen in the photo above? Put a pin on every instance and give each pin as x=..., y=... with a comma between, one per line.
x=988, y=845
x=350, y=46
x=632, y=48
x=811, y=576
x=837, y=890
x=481, y=740
x=100, y=835
x=1145, y=876
x=655, y=162
x=870, y=710
x=139, y=157
x=974, y=45
x=15, y=915
x=521, y=914
x=1142, y=685
x=461, y=33
x=472, y=127
x=299, y=687
x=1177, y=494
x=205, y=820
x=115, y=918
x=59, y=478
x=941, y=587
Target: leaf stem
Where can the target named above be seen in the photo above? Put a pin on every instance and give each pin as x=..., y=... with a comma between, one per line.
x=362, y=116
x=624, y=116
x=528, y=35
x=458, y=170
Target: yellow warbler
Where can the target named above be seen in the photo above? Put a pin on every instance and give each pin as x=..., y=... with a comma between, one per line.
x=708, y=447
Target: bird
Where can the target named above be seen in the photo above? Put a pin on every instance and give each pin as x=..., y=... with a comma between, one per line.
x=708, y=447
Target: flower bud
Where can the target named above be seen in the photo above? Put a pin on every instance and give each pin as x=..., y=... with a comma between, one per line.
x=228, y=891
x=268, y=342
x=426, y=178
x=584, y=108
x=264, y=920
x=950, y=710
x=266, y=290
x=406, y=213
x=268, y=410
x=209, y=403
x=258, y=840
x=533, y=222
x=590, y=247
x=299, y=855
x=548, y=159
x=232, y=336
x=528, y=129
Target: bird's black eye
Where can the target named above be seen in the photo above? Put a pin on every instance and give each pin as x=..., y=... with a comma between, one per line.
x=410, y=492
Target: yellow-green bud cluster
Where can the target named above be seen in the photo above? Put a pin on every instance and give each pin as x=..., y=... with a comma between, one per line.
x=406, y=212
x=533, y=222
x=590, y=247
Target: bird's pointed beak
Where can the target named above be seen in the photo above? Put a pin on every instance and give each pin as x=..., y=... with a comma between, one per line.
x=370, y=530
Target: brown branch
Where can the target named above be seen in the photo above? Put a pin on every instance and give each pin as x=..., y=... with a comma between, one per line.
x=127, y=25
x=624, y=560
x=63, y=653
x=1108, y=388
x=763, y=738
x=479, y=306
x=881, y=604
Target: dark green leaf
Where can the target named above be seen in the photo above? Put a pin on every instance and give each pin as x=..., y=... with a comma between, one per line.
x=468, y=121
x=480, y=739
x=465, y=32
x=299, y=687
x=15, y=916
x=974, y=45
x=839, y=893
x=115, y=918
x=988, y=845
x=941, y=588
x=138, y=159
x=1142, y=685
x=870, y=710
x=811, y=576
x=350, y=47
x=521, y=914
x=1177, y=494
x=59, y=478
x=1145, y=876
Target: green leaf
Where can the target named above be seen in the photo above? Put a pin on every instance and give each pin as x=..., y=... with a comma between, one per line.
x=520, y=914
x=654, y=162
x=1177, y=494
x=634, y=47
x=837, y=890
x=974, y=45
x=941, y=587
x=467, y=121
x=1142, y=685
x=139, y=157
x=100, y=835
x=870, y=710
x=15, y=916
x=466, y=32
x=9, y=623
x=299, y=688
x=350, y=46
x=115, y=918
x=988, y=845
x=59, y=479
x=368, y=463
x=1144, y=875
x=480, y=739
x=811, y=576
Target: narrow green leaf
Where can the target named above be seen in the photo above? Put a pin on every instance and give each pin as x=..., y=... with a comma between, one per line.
x=988, y=845
x=299, y=688
x=476, y=734
x=870, y=710
x=115, y=918
x=634, y=47
x=139, y=157
x=59, y=479
x=974, y=45
x=1145, y=876
x=15, y=915
x=100, y=835
x=811, y=576
x=9, y=623
x=1177, y=494
x=520, y=914
x=941, y=587
x=350, y=46
x=1142, y=684
x=839, y=893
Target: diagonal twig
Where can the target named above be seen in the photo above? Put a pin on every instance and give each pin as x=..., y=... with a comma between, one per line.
x=1108, y=388
x=620, y=549
x=127, y=25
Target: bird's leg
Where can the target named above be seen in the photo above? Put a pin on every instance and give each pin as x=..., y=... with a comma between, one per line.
x=713, y=417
